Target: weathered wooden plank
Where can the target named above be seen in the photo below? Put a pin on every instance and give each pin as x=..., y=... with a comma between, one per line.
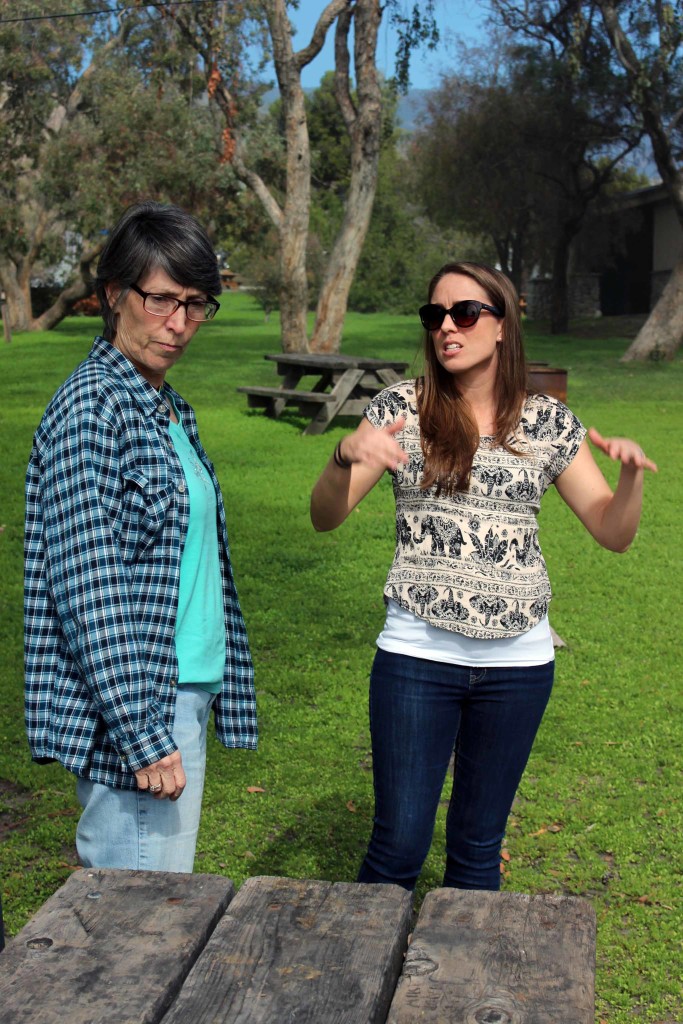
x=318, y=361
x=339, y=394
x=109, y=946
x=305, y=951
x=289, y=393
x=498, y=958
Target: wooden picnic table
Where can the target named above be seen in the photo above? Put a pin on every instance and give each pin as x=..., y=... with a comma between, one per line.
x=343, y=385
x=133, y=947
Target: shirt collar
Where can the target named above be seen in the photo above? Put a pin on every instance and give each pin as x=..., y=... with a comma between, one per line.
x=146, y=393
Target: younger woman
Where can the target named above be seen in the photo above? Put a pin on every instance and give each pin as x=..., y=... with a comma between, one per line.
x=465, y=658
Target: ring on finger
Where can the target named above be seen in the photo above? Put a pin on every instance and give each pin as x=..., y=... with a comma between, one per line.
x=155, y=789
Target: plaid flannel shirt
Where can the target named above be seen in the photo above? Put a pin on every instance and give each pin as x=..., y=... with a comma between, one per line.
x=107, y=511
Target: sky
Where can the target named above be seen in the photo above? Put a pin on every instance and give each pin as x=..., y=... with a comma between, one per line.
x=455, y=19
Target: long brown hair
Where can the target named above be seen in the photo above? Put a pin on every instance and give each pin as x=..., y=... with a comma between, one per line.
x=448, y=431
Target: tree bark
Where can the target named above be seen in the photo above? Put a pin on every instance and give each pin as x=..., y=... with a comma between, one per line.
x=18, y=312
x=364, y=124
x=294, y=223
x=559, y=299
x=662, y=333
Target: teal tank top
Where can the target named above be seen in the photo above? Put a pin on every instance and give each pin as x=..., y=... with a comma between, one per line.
x=200, y=622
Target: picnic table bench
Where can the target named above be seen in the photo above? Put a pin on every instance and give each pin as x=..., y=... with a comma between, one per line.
x=130, y=947
x=343, y=385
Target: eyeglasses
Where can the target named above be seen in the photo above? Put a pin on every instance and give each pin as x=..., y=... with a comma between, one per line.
x=165, y=305
x=463, y=314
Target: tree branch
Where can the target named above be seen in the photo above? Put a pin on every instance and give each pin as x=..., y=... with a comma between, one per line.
x=222, y=96
x=333, y=10
x=342, y=63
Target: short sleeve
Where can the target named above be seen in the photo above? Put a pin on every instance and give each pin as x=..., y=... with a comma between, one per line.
x=388, y=406
x=553, y=428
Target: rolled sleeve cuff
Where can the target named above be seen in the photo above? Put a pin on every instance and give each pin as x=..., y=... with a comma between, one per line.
x=138, y=750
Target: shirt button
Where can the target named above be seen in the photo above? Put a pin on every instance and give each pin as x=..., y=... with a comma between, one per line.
x=182, y=487
x=162, y=408
x=172, y=682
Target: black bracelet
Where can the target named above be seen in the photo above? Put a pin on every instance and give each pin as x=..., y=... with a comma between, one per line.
x=339, y=458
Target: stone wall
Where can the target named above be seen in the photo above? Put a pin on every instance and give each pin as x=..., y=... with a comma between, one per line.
x=584, y=296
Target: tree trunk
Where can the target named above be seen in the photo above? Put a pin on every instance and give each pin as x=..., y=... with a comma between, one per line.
x=18, y=307
x=364, y=125
x=79, y=289
x=559, y=300
x=662, y=334
x=294, y=223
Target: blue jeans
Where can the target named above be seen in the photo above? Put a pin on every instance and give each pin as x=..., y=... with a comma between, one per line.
x=124, y=828
x=419, y=712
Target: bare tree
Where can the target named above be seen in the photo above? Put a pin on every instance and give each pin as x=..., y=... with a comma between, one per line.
x=361, y=105
x=649, y=52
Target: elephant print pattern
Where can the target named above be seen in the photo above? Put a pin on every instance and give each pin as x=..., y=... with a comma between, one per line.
x=472, y=562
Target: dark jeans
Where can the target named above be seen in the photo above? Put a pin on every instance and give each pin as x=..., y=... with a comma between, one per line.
x=419, y=711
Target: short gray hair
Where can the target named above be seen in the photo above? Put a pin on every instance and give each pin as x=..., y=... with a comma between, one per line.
x=151, y=235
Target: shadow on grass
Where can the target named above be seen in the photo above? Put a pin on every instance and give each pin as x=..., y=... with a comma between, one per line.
x=327, y=841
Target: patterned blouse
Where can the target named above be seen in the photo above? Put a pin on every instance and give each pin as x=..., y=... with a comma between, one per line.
x=472, y=563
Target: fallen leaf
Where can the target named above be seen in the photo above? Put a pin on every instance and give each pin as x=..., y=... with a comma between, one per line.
x=350, y=806
x=554, y=828
x=255, y=789
x=505, y=854
x=539, y=833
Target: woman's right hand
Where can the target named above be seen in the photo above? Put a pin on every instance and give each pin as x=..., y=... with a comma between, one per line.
x=374, y=447
x=167, y=774
x=369, y=451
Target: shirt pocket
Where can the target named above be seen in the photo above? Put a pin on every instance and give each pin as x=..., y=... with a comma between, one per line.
x=146, y=510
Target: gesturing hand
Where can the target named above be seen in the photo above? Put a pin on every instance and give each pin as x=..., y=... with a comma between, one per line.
x=163, y=779
x=375, y=448
x=621, y=449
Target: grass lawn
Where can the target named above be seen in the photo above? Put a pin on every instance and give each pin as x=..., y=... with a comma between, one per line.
x=599, y=811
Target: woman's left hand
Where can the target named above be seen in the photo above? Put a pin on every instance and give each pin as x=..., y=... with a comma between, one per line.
x=621, y=449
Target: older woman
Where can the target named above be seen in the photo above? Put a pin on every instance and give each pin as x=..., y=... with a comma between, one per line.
x=133, y=630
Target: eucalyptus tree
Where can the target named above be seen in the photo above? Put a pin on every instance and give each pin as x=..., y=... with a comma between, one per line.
x=44, y=67
x=357, y=88
x=95, y=114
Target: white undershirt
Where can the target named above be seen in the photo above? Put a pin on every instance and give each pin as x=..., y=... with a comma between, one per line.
x=405, y=633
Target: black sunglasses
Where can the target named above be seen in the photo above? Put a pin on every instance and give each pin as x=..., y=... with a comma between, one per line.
x=463, y=314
